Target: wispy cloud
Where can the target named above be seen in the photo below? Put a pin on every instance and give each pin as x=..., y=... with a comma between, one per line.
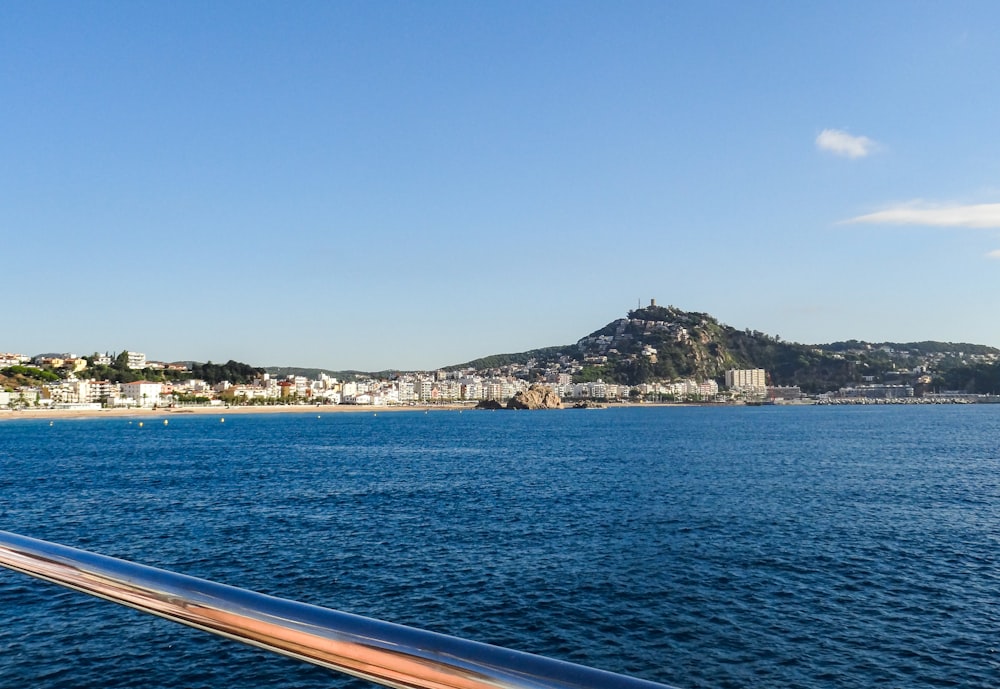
x=841, y=143
x=994, y=254
x=981, y=215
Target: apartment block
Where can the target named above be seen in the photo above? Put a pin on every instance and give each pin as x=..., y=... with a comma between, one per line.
x=751, y=379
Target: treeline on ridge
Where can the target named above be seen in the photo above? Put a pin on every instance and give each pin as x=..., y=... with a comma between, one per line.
x=119, y=372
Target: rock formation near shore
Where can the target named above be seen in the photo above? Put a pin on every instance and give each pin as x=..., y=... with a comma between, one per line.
x=535, y=397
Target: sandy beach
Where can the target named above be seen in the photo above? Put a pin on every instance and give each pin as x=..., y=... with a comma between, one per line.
x=167, y=412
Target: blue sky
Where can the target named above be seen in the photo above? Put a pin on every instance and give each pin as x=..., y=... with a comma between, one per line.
x=376, y=185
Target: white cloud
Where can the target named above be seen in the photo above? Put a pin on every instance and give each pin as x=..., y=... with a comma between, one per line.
x=841, y=143
x=981, y=215
x=994, y=254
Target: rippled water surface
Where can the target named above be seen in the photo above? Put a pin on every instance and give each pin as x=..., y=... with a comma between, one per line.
x=700, y=547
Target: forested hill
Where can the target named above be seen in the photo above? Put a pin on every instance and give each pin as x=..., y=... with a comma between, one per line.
x=660, y=342
x=118, y=371
x=544, y=355
x=667, y=343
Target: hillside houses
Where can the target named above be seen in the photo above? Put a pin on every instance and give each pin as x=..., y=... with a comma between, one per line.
x=76, y=390
x=440, y=387
x=887, y=372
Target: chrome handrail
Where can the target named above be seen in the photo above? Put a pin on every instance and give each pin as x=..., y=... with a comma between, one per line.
x=382, y=652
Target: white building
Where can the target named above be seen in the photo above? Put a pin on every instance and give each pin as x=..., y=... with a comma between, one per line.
x=493, y=390
x=423, y=388
x=301, y=385
x=100, y=390
x=449, y=390
x=472, y=389
x=136, y=360
x=9, y=359
x=250, y=392
x=143, y=392
x=746, y=380
x=195, y=386
x=406, y=391
x=707, y=389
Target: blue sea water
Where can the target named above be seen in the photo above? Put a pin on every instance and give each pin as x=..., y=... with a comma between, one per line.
x=809, y=547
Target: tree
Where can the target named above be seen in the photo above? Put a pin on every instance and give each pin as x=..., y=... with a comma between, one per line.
x=120, y=362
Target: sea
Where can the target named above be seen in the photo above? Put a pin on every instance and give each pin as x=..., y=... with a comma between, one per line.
x=700, y=547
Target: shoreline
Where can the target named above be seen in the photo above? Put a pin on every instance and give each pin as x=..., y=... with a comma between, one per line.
x=166, y=412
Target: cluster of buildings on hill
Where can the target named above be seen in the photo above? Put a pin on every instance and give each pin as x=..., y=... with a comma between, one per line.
x=927, y=359
x=77, y=390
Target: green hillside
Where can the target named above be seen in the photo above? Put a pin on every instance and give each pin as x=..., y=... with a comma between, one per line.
x=544, y=355
x=667, y=343
x=696, y=345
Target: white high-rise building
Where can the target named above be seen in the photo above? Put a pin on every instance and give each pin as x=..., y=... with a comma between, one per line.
x=749, y=379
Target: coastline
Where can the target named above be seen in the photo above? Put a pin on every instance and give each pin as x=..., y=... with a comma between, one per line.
x=167, y=412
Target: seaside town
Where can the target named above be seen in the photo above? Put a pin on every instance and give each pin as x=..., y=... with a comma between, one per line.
x=80, y=391
x=75, y=388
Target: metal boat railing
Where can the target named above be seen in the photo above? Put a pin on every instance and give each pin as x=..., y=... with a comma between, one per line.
x=382, y=652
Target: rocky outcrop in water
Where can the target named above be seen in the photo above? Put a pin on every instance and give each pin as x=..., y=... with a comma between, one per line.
x=535, y=397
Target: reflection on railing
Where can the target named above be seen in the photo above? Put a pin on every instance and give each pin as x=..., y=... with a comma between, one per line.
x=381, y=652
